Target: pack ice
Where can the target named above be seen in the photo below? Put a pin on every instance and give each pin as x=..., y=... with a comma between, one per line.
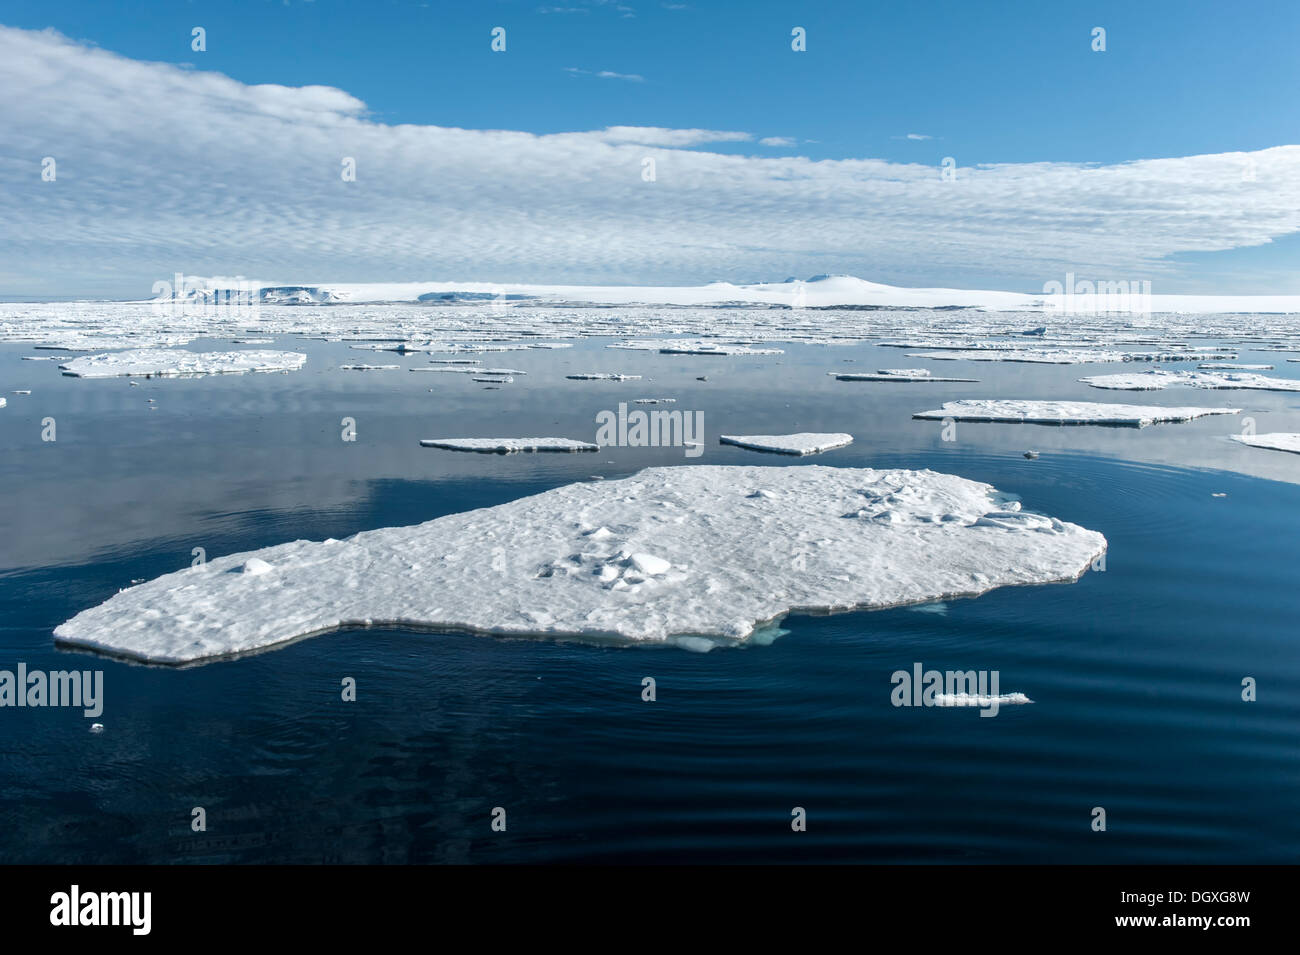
x=692, y=555
x=178, y=363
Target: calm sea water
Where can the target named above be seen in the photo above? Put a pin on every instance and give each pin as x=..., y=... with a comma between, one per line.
x=1135, y=671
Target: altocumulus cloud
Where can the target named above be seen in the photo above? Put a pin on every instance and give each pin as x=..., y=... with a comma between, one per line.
x=161, y=169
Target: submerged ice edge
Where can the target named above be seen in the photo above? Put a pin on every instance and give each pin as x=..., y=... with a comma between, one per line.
x=671, y=556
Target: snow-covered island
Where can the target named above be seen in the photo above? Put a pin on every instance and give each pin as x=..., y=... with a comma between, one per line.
x=694, y=556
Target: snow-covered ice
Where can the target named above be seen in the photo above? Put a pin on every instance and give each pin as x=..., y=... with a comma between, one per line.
x=690, y=555
x=978, y=699
x=805, y=442
x=1065, y=412
x=177, y=363
x=508, y=445
x=1157, y=379
x=1274, y=441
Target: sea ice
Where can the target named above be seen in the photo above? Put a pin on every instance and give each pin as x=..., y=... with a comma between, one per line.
x=177, y=363
x=603, y=376
x=805, y=442
x=1275, y=441
x=687, y=555
x=508, y=445
x=1157, y=379
x=1065, y=412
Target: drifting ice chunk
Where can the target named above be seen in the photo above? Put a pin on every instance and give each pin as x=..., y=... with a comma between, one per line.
x=168, y=363
x=369, y=367
x=508, y=445
x=539, y=566
x=805, y=442
x=1276, y=441
x=603, y=376
x=978, y=699
x=1157, y=379
x=1065, y=412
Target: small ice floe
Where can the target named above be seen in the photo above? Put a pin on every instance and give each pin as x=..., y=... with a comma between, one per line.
x=702, y=378
x=982, y=700
x=671, y=555
x=501, y=380
x=508, y=445
x=654, y=401
x=898, y=374
x=169, y=363
x=697, y=346
x=1229, y=366
x=1062, y=356
x=1275, y=441
x=469, y=370
x=97, y=727
x=804, y=442
x=1218, y=494
x=1031, y=455
x=252, y=341
x=23, y=391
x=1065, y=412
x=455, y=361
x=603, y=376
x=1157, y=379
x=369, y=367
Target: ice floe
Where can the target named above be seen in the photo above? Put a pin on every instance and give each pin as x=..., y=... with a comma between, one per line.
x=689, y=555
x=177, y=363
x=1274, y=441
x=1157, y=379
x=602, y=376
x=508, y=445
x=1065, y=412
x=805, y=442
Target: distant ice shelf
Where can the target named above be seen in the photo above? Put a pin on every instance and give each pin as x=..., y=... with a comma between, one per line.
x=1065, y=412
x=694, y=556
x=805, y=442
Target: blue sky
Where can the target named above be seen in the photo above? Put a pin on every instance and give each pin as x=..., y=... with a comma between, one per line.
x=1015, y=85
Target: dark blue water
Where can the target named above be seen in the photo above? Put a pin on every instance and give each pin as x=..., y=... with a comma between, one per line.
x=1135, y=671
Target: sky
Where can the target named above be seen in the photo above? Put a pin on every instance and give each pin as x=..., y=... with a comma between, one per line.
x=928, y=143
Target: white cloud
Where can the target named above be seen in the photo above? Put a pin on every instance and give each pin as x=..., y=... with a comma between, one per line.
x=918, y=136
x=780, y=141
x=162, y=169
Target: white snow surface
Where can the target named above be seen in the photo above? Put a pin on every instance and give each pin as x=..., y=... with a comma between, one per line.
x=691, y=555
x=1274, y=441
x=1064, y=412
x=178, y=363
x=1157, y=379
x=805, y=442
x=508, y=445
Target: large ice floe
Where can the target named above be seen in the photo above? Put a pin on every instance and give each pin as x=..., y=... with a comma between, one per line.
x=1275, y=441
x=694, y=556
x=1157, y=379
x=178, y=363
x=805, y=442
x=508, y=445
x=1065, y=412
